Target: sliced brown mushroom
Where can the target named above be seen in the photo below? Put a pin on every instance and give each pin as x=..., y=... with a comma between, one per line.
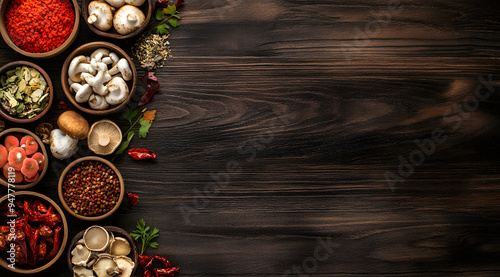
x=104, y=137
x=96, y=238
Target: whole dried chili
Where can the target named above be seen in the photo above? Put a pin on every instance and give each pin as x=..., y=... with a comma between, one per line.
x=149, y=271
x=39, y=26
x=132, y=199
x=152, y=86
x=141, y=154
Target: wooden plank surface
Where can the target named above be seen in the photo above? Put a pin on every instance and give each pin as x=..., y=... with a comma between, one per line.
x=280, y=121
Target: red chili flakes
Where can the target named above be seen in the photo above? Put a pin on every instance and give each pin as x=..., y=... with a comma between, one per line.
x=39, y=26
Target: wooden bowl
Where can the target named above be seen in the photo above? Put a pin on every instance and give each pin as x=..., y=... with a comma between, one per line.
x=76, y=163
x=146, y=8
x=44, y=55
x=86, y=50
x=33, y=195
x=15, y=119
x=3, y=180
x=118, y=232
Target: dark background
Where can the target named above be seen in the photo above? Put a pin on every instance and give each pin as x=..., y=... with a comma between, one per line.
x=315, y=101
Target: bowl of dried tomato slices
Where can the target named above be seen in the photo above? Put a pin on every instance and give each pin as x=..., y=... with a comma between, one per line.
x=33, y=232
x=39, y=28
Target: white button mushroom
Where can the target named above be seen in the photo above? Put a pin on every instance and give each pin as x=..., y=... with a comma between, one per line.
x=101, y=15
x=82, y=92
x=116, y=3
x=123, y=67
x=118, y=91
x=78, y=64
x=61, y=145
x=98, y=102
x=97, y=82
x=128, y=19
x=136, y=3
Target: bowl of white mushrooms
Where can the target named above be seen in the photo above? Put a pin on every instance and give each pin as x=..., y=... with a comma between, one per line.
x=99, y=78
x=118, y=19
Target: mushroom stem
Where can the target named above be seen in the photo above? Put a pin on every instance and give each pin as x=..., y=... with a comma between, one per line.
x=92, y=18
x=104, y=140
x=132, y=17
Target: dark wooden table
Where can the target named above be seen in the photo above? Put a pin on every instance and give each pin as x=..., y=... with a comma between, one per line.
x=322, y=138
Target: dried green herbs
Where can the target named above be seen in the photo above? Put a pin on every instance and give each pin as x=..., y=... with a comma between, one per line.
x=24, y=92
x=152, y=51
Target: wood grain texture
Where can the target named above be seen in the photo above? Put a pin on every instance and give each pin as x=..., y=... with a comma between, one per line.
x=315, y=110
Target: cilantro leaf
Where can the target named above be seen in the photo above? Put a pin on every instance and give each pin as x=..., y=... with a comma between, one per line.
x=159, y=15
x=173, y=22
x=129, y=114
x=170, y=9
x=144, y=129
x=162, y=29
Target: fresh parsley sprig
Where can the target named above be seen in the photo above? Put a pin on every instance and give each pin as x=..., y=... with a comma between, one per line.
x=145, y=120
x=142, y=233
x=163, y=19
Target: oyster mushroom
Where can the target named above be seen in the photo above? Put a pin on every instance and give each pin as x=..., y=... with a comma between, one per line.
x=61, y=145
x=104, y=137
x=81, y=255
x=96, y=238
x=105, y=266
x=120, y=247
x=100, y=15
x=80, y=271
x=125, y=265
x=128, y=19
x=118, y=91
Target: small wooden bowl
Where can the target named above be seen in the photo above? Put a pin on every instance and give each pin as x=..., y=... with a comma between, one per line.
x=76, y=163
x=118, y=232
x=41, y=146
x=34, y=195
x=146, y=8
x=86, y=50
x=44, y=55
x=15, y=119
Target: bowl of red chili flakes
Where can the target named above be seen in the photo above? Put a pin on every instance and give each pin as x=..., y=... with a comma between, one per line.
x=39, y=28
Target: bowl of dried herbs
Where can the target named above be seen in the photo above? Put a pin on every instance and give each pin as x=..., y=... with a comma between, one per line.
x=26, y=92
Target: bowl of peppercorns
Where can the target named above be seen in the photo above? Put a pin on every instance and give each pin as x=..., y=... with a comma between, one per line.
x=91, y=188
x=39, y=29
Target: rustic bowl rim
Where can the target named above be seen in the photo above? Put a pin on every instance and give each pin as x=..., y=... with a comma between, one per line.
x=89, y=47
x=44, y=152
x=51, y=92
x=134, y=252
x=148, y=15
x=62, y=248
x=77, y=162
x=44, y=55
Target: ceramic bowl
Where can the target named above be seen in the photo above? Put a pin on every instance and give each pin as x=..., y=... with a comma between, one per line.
x=77, y=163
x=44, y=55
x=42, y=149
x=30, y=195
x=86, y=50
x=146, y=8
x=118, y=232
x=14, y=118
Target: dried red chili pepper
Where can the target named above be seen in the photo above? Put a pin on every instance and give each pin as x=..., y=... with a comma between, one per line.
x=38, y=206
x=141, y=154
x=152, y=86
x=39, y=26
x=57, y=244
x=62, y=105
x=132, y=199
x=167, y=271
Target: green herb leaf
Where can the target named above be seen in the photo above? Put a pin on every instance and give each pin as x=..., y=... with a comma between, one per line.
x=124, y=145
x=178, y=16
x=144, y=129
x=145, y=236
x=162, y=29
x=159, y=15
x=173, y=22
x=129, y=114
x=170, y=9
